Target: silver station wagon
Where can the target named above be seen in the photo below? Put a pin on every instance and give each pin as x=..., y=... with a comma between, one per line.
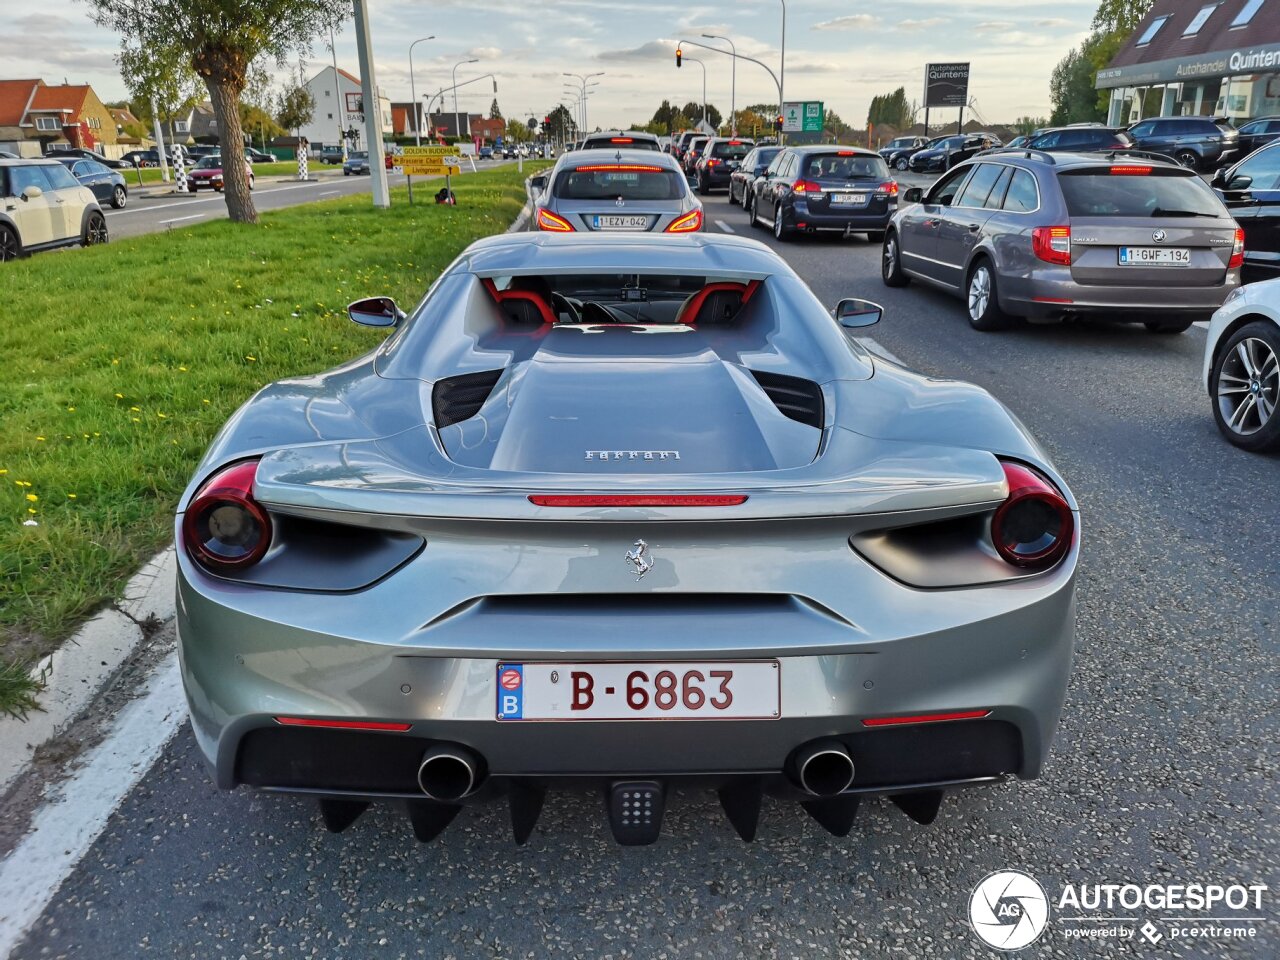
x=1031, y=234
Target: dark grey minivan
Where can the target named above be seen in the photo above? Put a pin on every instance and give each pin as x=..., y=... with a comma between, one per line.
x=1031, y=234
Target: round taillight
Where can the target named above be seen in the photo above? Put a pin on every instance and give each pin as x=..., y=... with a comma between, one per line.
x=224, y=527
x=1034, y=527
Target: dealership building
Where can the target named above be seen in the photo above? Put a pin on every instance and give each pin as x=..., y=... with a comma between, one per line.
x=1202, y=58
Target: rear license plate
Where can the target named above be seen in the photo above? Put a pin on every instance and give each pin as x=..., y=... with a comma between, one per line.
x=621, y=223
x=855, y=199
x=1155, y=257
x=680, y=690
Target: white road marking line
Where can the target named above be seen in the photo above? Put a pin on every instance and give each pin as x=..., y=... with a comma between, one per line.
x=194, y=216
x=877, y=348
x=77, y=811
x=330, y=193
x=188, y=203
x=725, y=227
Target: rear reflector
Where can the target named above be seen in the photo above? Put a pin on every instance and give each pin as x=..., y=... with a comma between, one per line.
x=1130, y=171
x=926, y=718
x=638, y=500
x=343, y=724
x=1051, y=300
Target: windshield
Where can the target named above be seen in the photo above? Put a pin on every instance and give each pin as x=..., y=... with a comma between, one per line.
x=208, y=162
x=630, y=143
x=359, y=155
x=612, y=298
x=845, y=166
x=627, y=181
x=731, y=149
x=1099, y=193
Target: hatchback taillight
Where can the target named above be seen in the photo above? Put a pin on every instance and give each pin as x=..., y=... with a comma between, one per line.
x=1052, y=244
x=1034, y=527
x=224, y=528
x=807, y=186
x=1237, y=251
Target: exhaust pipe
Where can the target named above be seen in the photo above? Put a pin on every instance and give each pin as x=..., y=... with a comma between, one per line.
x=449, y=772
x=823, y=768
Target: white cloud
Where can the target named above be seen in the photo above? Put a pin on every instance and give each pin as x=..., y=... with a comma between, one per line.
x=911, y=26
x=854, y=21
x=485, y=53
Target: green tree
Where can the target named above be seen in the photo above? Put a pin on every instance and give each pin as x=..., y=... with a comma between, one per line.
x=1026, y=125
x=220, y=40
x=160, y=81
x=495, y=112
x=1071, y=87
x=561, y=127
x=892, y=109
x=693, y=111
x=1122, y=16
x=295, y=107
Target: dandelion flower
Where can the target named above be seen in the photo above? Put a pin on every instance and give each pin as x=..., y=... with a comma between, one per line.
x=71, y=496
x=32, y=497
x=254, y=359
x=119, y=396
x=40, y=438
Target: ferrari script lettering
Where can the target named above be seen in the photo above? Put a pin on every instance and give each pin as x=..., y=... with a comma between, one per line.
x=633, y=454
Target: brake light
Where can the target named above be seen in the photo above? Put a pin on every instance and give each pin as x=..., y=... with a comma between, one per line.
x=638, y=500
x=807, y=186
x=1237, y=251
x=1052, y=244
x=1130, y=171
x=619, y=168
x=712, y=162
x=549, y=221
x=845, y=153
x=926, y=718
x=622, y=140
x=342, y=724
x=224, y=528
x=890, y=187
x=735, y=143
x=689, y=223
x=1034, y=526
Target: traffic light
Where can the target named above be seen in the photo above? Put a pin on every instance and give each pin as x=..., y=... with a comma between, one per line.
x=679, y=56
x=777, y=124
x=546, y=121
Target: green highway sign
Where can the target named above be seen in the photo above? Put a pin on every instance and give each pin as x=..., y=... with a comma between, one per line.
x=803, y=117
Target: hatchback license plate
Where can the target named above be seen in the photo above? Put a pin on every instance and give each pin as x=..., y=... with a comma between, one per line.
x=856, y=199
x=621, y=223
x=1155, y=257
x=679, y=690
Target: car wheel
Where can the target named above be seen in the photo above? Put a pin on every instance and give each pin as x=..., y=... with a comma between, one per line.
x=250, y=181
x=1187, y=158
x=984, y=304
x=119, y=197
x=10, y=247
x=191, y=186
x=1176, y=326
x=95, y=230
x=780, y=230
x=703, y=188
x=748, y=195
x=900, y=163
x=347, y=173
x=752, y=219
x=891, y=262
x=1246, y=387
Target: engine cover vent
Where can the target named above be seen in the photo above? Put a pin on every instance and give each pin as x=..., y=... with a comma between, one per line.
x=795, y=397
x=459, y=398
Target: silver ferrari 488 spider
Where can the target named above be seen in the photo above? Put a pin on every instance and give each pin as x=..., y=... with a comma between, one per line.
x=624, y=513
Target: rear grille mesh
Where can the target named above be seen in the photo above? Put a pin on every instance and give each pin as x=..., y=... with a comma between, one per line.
x=795, y=397
x=460, y=398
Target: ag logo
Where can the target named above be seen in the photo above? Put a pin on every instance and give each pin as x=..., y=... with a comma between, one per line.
x=1008, y=910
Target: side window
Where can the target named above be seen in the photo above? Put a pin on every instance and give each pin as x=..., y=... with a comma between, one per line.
x=1047, y=141
x=1263, y=168
x=96, y=168
x=979, y=186
x=996, y=197
x=1022, y=196
x=776, y=166
x=789, y=167
x=59, y=177
x=82, y=169
x=945, y=190
x=1272, y=126
x=22, y=177
x=1142, y=130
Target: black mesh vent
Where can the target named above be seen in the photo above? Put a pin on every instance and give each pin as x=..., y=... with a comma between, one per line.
x=460, y=398
x=796, y=397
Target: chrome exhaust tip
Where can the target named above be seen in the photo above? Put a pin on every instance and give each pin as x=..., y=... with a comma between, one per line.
x=448, y=773
x=823, y=768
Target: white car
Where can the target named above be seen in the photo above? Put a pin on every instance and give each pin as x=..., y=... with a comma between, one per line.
x=1242, y=366
x=43, y=206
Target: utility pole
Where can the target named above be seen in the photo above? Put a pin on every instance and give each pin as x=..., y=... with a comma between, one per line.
x=372, y=117
x=413, y=92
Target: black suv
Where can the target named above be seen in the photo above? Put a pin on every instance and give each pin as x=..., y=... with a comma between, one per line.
x=1251, y=191
x=897, y=152
x=720, y=158
x=1080, y=139
x=829, y=189
x=1258, y=133
x=945, y=152
x=1196, y=142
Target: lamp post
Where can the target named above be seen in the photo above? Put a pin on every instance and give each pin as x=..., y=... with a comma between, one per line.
x=733, y=84
x=339, y=109
x=704, y=84
x=413, y=92
x=582, y=80
x=782, y=62
x=457, y=129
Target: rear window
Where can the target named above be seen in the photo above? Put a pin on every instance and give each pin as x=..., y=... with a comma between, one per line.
x=729, y=150
x=855, y=166
x=629, y=143
x=1101, y=193
x=628, y=181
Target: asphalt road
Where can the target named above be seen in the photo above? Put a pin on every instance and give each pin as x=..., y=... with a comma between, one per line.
x=1164, y=768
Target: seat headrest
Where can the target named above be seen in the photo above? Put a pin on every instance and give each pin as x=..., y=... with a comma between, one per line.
x=716, y=304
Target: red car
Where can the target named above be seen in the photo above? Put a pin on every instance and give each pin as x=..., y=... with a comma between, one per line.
x=208, y=173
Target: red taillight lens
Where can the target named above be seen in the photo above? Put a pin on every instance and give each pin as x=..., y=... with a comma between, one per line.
x=224, y=528
x=1237, y=251
x=890, y=187
x=1130, y=171
x=807, y=186
x=638, y=500
x=621, y=140
x=549, y=221
x=1034, y=526
x=689, y=223
x=343, y=724
x=1052, y=244
x=926, y=718
x=712, y=162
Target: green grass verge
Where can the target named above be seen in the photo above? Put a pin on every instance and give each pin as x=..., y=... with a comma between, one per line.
x=122, y=361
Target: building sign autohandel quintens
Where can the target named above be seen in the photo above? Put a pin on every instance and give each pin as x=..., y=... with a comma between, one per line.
x=946, y=84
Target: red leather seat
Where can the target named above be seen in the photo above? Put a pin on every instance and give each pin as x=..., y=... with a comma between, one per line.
x=716, y=303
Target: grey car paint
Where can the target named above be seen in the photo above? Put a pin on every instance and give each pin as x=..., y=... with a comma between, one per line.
x=659, y=214
x=501, y=579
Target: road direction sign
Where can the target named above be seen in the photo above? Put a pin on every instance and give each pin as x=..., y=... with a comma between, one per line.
x=803, y=117
x=429, y=161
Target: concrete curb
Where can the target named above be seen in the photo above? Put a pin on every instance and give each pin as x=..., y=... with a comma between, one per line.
x=84, y=665
x=525, y=211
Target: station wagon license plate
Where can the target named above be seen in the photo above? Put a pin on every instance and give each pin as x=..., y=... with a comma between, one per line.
x=613, y=222
x=853, y=199
x=1155, y=257
x=676, y=690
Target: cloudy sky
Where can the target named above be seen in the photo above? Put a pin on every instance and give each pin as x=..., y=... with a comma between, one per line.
x=840, y=51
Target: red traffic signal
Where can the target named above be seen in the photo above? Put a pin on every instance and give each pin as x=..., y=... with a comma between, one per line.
x=777, y=124
x=546, y=121
x=679, y=55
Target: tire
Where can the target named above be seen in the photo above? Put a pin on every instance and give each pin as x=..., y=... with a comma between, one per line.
x=191, y=186
x=703, y=188
x=1170, y=327
x=780, y=230
x=1248, y=368
x=347, y=173
x=891, y=261
x=1188, y=158
x=119, y=197
x=10, y=245
x=95, y=230
x=752, y=219
x=250, y=181
x=900, y=164
x=982, y=299
x=747, y=205
x=875, y=236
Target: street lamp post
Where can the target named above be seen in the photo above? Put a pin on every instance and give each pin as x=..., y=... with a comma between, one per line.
x=704, y=84
x=413, y=92
x=782, y=60
x=457, y=129
x=582, y=80
x=733, y=84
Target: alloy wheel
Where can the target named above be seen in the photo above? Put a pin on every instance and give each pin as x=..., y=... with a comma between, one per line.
x=890, y=256
x=979, y=292
x=900, y=163
x=1249, y=386
x=97, y=230
x=8, y=244
x=777, y=221
x=1187, y=159
x=119, y=199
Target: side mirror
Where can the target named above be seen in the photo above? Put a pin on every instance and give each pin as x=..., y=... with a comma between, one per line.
x=539, y=182
x=1240, y=182
x=853, y=312
x=913, y=195
x=32, y=193
x=1219, y=177
x=375, y=312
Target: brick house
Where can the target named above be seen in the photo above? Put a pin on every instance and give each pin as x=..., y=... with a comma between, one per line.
x=55, y=114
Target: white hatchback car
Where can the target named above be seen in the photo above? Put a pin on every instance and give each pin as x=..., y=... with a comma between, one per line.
x=43, y=206
x=1242, y=366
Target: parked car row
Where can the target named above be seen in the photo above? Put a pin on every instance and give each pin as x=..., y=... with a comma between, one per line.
x=43, y=206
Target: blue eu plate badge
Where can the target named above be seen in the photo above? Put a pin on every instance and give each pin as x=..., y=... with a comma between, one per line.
x=510, y=691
